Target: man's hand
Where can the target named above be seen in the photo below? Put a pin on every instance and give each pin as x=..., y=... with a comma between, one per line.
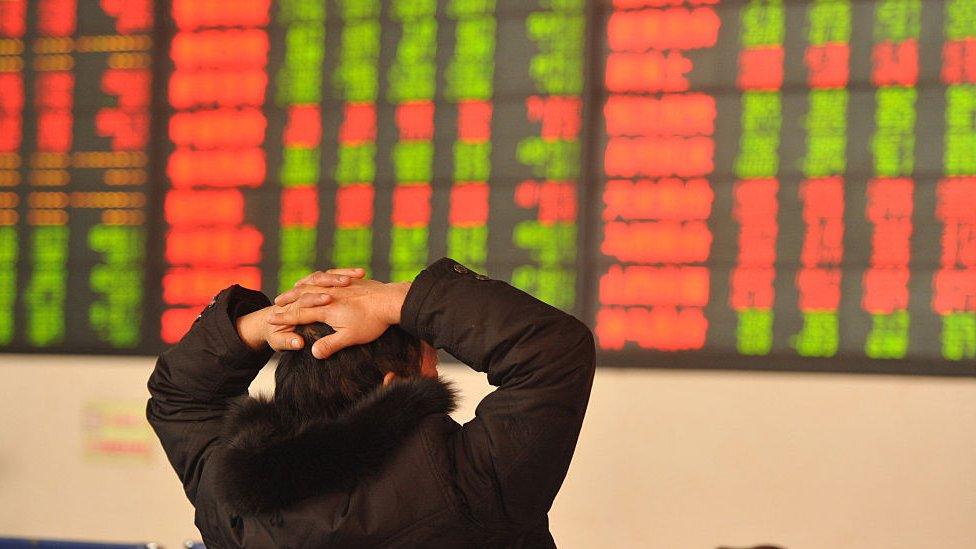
x=255, y=331
x=331, y=277
x=359, y=312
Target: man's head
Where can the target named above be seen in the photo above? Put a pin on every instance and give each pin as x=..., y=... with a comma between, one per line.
x=306, y=386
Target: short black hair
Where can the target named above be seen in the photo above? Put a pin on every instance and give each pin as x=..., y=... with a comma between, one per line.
x=306, y=386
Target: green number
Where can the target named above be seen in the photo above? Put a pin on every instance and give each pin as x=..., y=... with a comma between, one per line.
x=300, y=166
x=819, y=335
x=46, y=290
x=297, y=255
x=359, y=9
x=960, y=19
x=468, y=245
x=959, y=336
x=290, y=11
x=408, y=252
x=413, y=161
x=826, y=133
x=960, y=139
x=8, y=282
x=830, y=22
x=356, y=163
x=550, y=244
x=353, y=247
x=465, y=8
x=553, y=285
x=763, y=23
x=759, y=145
x=472, y=161
x=897, y=20
x=754, y=335
x=557, y=159
x=888, y=337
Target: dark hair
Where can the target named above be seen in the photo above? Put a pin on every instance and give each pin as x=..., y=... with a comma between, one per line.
x=307, y=387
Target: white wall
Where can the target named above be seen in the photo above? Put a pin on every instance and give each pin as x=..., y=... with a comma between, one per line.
x=667, y=459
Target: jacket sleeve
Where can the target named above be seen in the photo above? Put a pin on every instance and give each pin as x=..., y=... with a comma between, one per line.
x=512, y=458
x=194, y=381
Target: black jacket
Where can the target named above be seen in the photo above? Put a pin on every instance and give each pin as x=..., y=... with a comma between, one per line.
x=396, y=471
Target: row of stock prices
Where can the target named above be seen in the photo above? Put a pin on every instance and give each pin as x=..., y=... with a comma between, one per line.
x=758, y=184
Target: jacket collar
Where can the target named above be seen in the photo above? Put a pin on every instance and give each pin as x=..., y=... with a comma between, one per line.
x=269, y=461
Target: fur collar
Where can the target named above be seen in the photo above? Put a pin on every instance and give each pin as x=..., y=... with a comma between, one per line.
x=269, y=462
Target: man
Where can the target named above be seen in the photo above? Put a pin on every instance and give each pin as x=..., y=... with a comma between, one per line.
x=349, y=458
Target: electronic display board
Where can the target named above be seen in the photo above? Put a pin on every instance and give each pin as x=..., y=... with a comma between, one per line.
x=758, y=184
x=75, y=109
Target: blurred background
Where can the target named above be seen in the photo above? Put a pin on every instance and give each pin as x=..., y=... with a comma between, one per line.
x=766, y=211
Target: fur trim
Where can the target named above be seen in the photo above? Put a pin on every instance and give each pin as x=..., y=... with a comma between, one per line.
x=269, y=462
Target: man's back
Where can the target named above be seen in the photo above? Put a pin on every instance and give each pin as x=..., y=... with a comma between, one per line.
x=395, y=469
x=413, y=501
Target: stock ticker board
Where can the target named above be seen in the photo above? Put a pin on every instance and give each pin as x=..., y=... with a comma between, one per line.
x=753, y=184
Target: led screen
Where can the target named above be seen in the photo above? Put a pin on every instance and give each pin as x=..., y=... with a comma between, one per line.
x=753, y=184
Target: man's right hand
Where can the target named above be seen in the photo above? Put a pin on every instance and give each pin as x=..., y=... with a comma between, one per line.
x=359, y=313
x=255, y=330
